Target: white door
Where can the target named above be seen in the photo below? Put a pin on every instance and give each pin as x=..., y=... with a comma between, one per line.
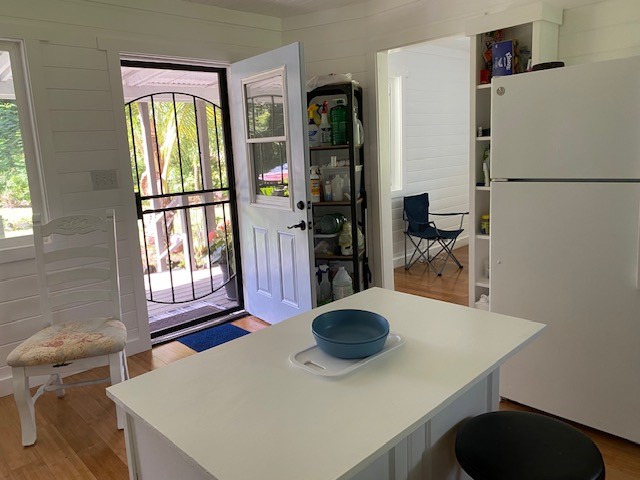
x=268, y=107
x=578, y=122
x=566, y=255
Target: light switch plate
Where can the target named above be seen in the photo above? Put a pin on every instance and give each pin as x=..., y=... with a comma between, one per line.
x=104, y=179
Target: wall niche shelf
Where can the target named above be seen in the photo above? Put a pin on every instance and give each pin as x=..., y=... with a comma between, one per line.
x=535, y=26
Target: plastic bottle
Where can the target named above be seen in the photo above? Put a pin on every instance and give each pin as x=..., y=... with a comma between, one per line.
x=313, y=130
x=336, y=188
x=342, y=285
x=358, y=129
x=345, y=239
x=328, y=197
x=314, y=184
x=325, y=126
x=339, y=123
x=318, y=277
x=325, y=286
x=346, y=186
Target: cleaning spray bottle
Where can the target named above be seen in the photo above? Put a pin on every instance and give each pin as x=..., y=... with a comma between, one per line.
x=325, y=286
x=314, y=184
x=314, y=131
x=325, y=126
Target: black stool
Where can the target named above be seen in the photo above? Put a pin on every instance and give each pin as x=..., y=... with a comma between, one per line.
x=526, y=446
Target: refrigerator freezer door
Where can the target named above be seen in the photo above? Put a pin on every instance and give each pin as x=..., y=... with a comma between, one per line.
x=565, y=254
x=577, y=122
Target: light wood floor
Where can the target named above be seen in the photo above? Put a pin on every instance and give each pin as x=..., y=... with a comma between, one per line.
x=78, y=439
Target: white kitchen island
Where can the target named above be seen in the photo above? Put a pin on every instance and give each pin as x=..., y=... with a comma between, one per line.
x=243, y=411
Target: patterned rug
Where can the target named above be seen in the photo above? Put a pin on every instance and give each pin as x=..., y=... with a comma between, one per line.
x=211, y=337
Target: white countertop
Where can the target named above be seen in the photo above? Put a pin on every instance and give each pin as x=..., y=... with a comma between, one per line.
x=242, y=411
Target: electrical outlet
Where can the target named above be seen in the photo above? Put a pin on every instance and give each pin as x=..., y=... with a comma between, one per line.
x=104, y=179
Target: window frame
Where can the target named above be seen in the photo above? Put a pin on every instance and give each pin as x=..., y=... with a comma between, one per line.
x=396, y=134
x=284, y=203
x=26, y=115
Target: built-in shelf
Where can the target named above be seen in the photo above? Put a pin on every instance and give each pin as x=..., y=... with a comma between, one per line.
x=537, y=29
x=346, y=203
x=333, y=147
x=324, y=256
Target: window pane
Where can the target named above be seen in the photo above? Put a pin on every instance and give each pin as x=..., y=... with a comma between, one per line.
x=15, y=199
x=265, y=113
x=270, y=168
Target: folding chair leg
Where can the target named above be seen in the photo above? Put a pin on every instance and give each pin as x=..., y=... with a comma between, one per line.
x=448, y=247
x=24, y=402
x=117, y=374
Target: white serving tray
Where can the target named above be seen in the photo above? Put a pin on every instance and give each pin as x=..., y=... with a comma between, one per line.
x=314, y=360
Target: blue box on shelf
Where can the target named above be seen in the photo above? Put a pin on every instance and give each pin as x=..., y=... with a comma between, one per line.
x=504, y=58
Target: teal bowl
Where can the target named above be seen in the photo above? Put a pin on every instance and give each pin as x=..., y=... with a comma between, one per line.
x=350, y=333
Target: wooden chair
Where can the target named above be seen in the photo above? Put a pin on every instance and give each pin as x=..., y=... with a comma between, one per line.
x=80, y=298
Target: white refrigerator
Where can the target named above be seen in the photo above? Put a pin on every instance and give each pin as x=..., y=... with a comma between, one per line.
x=565, y=238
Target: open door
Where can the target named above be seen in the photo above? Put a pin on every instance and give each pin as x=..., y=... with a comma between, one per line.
x=268, y=106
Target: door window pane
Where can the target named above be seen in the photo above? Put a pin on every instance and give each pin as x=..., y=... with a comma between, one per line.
x=266, y=137
x=270, y=168
x=264, y=104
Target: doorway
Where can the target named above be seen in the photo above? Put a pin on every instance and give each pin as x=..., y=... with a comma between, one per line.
x=428, y=87
x=179, y=141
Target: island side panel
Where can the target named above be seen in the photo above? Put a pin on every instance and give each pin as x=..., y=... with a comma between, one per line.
x=156, y=457
x=428, y=452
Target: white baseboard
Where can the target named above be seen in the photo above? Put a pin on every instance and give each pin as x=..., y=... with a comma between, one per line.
x=399, y=260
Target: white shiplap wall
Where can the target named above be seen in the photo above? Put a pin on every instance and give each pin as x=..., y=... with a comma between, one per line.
x=435, y=80
x=73, y=49
x=347, y=39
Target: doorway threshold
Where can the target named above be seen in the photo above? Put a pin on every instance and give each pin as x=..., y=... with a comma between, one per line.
x=172, y=335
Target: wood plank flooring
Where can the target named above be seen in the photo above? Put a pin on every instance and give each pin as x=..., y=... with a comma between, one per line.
x=77, y=435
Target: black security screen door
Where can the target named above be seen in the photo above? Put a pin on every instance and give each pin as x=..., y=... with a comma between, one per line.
x=181, y=162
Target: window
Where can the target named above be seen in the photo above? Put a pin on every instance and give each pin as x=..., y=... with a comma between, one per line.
x=19, y=190
x=395, y=133
x=266, y=137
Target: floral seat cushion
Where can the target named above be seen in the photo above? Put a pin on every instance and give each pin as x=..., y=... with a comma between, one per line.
x=65, y=342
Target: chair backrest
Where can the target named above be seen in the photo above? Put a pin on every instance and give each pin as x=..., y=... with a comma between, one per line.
x=416, y=208
x=77, y=265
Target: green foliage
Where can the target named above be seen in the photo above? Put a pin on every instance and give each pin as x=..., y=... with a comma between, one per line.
x=175, y=145
x=14, y=185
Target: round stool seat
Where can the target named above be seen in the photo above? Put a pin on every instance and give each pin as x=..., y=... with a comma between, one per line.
x=526, y=446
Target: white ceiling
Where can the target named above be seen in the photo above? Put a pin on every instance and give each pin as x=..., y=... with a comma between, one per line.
x=279, y=8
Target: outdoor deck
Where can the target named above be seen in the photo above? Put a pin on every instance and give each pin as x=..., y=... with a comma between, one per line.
x=179, y=307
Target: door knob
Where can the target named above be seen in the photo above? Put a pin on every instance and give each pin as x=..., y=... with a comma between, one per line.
x=302, y=225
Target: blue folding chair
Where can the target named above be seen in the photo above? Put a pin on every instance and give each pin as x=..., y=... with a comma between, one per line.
x=419, y=228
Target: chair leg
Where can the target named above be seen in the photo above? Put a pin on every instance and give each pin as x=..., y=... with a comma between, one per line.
x=57, y=382
x=448, y=248
x=117, y=374
x=126, y=365
x=24, y=402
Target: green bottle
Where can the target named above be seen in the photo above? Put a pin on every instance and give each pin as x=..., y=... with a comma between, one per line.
x=338, y=118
